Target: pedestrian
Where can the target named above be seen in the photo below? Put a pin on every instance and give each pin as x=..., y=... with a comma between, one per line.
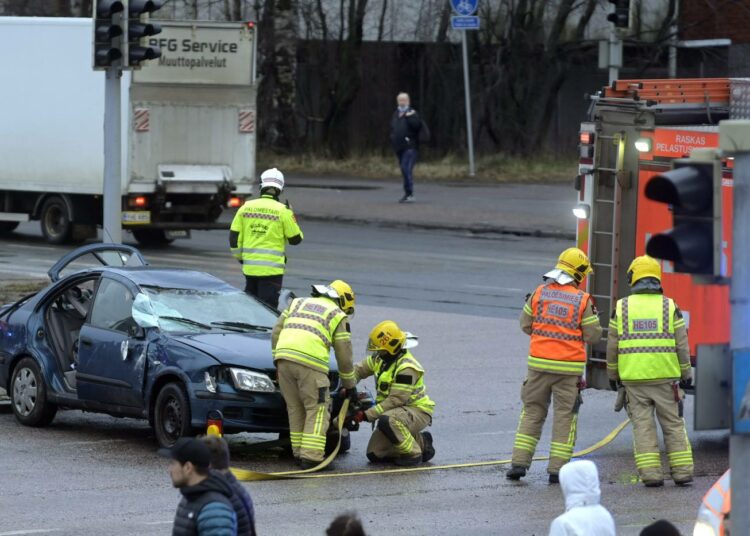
x=241, y=501
x=301, y=341
x=258, y=236
x=660, y=528
x=561, y=318
x=405, y=127
x=345, y=525
x=403, y=408
x=584, y=516
x=206, y=507
x=648, y=351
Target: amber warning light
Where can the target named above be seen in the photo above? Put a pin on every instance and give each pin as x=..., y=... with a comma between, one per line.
x=587, y=137
x=234, y=202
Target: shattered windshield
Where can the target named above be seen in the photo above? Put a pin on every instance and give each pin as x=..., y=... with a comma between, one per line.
x=180, y=310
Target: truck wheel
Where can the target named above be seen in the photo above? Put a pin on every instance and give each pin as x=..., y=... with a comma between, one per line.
x=152, y=237
x=171, y=415
x=56, y=225
x=28, y=395
x=8, y=226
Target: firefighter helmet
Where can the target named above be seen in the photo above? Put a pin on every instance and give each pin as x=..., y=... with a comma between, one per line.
x=643, y=266
x=340, y=292
x=575, y=263
x=387, y=337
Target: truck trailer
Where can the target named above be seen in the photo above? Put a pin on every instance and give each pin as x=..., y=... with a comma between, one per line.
x=188, y=129
x=635, y=130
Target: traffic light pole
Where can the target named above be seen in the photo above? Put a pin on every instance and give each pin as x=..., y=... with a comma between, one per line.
x=735, y=141
x=112, y=198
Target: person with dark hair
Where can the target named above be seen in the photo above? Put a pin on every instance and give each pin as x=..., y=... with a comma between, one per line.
x=345, y=525
x=241, y=501
x=660, y=528
x=206, y=507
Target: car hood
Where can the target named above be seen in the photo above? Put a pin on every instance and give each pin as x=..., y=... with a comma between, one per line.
x=250, y=350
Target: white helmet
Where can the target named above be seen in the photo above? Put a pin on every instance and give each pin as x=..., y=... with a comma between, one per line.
x=272, y=178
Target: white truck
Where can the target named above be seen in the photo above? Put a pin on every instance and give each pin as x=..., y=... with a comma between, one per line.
x=188, y=129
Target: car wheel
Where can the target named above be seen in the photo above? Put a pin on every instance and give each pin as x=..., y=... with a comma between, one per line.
x=28, y=395
x=8, y=226
x=152, y=237
x=171, y=415
x=56, y=225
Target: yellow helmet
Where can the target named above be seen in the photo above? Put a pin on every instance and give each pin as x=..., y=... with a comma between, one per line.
x=575, y=263
x=386, y=337
x=643, y=266
x=345, y=296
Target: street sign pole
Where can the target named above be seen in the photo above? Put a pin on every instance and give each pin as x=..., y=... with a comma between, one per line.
x=735, y=141
x=112, y=198
x=467, y=97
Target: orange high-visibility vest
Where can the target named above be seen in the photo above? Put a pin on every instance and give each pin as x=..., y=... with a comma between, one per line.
x=716, y=507
x=556, y=333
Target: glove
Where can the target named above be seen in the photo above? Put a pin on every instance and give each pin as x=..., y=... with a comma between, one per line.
x=614, y=385
x=353, y=395
x=685, y=384
x=359, y=417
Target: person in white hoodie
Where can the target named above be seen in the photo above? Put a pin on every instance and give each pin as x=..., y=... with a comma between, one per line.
x=583, y=516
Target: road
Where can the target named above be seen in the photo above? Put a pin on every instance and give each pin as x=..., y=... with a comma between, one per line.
x=92, y=474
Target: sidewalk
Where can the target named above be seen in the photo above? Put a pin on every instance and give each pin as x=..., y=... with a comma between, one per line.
x=524, y=210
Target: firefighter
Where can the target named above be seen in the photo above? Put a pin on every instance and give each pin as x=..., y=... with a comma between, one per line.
x=301, y=343
x=648, y=351
x=560, y=318
x=258, y=236
x=403, y=408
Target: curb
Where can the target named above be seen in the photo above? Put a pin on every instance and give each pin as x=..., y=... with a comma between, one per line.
x=473, y=229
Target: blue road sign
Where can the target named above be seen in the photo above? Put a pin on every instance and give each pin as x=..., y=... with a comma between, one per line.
x=465, y=23
x=741, y=392
x=464, y=8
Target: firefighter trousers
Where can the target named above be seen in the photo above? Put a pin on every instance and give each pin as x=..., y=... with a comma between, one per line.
x=398, y=434
x=305, y=392
x=538, y=388
x=642, y=402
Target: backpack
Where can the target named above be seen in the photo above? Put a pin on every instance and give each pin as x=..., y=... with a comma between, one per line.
x=424, y=133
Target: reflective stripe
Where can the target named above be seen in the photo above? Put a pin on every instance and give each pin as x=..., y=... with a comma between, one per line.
x=648, y=350
x=347, y=375
x=556, y=366
x=556, y=335
x=262, y=251
x=590, y=320
x=293, y=325
x=263, y=263
x=260, y=216
x=299, y=357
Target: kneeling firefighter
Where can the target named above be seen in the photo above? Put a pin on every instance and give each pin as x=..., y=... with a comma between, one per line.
x=301, y=343
x=403, y=408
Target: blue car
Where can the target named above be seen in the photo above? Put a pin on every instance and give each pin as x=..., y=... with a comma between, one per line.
x=112, y=334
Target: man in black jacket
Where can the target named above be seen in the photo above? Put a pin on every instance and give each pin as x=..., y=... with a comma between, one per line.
x=405, y=127
x=206, y=506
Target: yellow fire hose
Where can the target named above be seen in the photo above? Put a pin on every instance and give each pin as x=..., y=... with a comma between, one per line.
x=250, y=476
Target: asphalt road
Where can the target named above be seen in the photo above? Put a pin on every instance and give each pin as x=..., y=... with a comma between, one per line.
x=91, y=474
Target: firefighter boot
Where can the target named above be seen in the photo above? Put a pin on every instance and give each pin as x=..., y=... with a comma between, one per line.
x=428, y=451
x=516, y=472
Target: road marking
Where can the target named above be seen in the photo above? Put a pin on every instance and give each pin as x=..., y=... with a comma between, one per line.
x=29, y=531
x=152, y=523
x=71, y=443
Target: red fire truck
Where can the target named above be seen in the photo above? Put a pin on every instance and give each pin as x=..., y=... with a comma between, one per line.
x=635, y=129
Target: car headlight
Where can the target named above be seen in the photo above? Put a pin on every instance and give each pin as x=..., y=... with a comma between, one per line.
x=247, y=380
x=210, y=382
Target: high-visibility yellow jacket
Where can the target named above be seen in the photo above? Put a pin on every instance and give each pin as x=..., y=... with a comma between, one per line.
x=399, y=383
x=263, y=225
x=306, y=332
x=645, y=329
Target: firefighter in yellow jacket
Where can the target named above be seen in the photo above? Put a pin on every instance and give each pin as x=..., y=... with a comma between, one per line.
x=648, y=351
x=301, y=342
x=560, y=318
x=403, y=409
x=258, y=236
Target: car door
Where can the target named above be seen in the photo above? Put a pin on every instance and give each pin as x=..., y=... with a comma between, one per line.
x=94, y=256
x=112, y=350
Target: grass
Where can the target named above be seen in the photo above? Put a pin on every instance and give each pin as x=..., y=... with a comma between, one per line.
x=16, y=289
x=493, y=168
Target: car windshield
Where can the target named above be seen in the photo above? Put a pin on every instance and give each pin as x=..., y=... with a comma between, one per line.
x=179, y=310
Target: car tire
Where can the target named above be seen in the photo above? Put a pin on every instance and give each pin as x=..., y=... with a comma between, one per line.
x=152, y=237
x=171, y=415
x=57, y=227
x=28, y=395
x=8, y=226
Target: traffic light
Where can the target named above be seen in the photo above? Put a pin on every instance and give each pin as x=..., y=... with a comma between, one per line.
x=109, y=30
x=139, y=28
x=620, y=17
x=693, y=190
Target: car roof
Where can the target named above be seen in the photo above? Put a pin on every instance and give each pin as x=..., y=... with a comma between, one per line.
x=148, y=276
